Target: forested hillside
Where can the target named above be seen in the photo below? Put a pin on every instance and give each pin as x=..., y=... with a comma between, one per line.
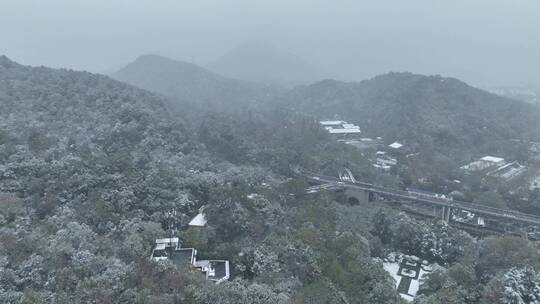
x=91, y=169
x=438, y=113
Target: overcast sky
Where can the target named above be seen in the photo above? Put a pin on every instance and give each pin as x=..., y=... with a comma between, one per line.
x=484, y=42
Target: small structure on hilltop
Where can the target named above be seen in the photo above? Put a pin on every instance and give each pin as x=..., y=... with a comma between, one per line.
x=170, y=249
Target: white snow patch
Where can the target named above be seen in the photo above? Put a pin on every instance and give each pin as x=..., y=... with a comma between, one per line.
x=395, y=145
x=198, y=221
x=392, y=269
x=407, y=297
x=392, y=264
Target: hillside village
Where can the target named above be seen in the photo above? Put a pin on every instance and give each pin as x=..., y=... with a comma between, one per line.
x=488, y=168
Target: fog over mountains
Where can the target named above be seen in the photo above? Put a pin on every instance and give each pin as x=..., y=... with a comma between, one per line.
x=256, y=61
x=92, y=169
x=443, y=112
x=190, y=83
x=405, y=105
x=493, y=44
x=269, y=152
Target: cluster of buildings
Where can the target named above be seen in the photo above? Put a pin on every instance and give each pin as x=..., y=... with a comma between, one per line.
x=351, y=135
x=496, y=167
x=341, y=129
x=384, y=161
x=509, y=171
x=483, y=163
x=171, y=249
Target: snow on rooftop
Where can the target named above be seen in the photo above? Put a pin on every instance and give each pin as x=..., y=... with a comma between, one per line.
x=492, y=159
x=167, y=241
x=198, y=221
x=395, y=145
x=331, y=122
x=345, y=131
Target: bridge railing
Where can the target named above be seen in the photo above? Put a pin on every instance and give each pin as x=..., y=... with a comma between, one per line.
x=472, y=207
x=475, y=208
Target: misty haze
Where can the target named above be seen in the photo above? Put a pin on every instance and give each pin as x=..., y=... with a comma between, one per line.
x=274, y=152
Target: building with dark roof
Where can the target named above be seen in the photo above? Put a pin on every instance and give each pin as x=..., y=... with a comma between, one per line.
x=170, y=249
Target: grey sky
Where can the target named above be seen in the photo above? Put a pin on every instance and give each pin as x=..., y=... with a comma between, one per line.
x=485, y=42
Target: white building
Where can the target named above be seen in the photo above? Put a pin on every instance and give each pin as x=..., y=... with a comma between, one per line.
x=508, y=171
x=396, y=145
x=331, y=123
x=341, y=129
x=345, y=131
x=384, y=162
x=493, y=160
x=215, y=270
x=483, y=163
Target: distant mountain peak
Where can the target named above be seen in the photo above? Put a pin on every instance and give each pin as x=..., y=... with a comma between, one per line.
x=187, y=82
x=157, y=58
x=261, y=62
x=6, y=62
x=154, y=60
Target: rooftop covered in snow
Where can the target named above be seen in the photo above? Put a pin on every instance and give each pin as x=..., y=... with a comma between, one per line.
x=198, y=221
x=395, y=145
x=345, y=131
x=492, y=159
x=331, y=122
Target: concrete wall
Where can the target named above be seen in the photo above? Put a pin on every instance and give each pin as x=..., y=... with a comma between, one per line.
x=360, y=195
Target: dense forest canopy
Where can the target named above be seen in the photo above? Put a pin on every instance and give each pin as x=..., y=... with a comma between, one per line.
x=92, y=168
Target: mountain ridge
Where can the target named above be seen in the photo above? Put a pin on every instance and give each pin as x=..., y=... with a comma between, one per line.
x=418, y=109
x=264, y=63
x=190, y=83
